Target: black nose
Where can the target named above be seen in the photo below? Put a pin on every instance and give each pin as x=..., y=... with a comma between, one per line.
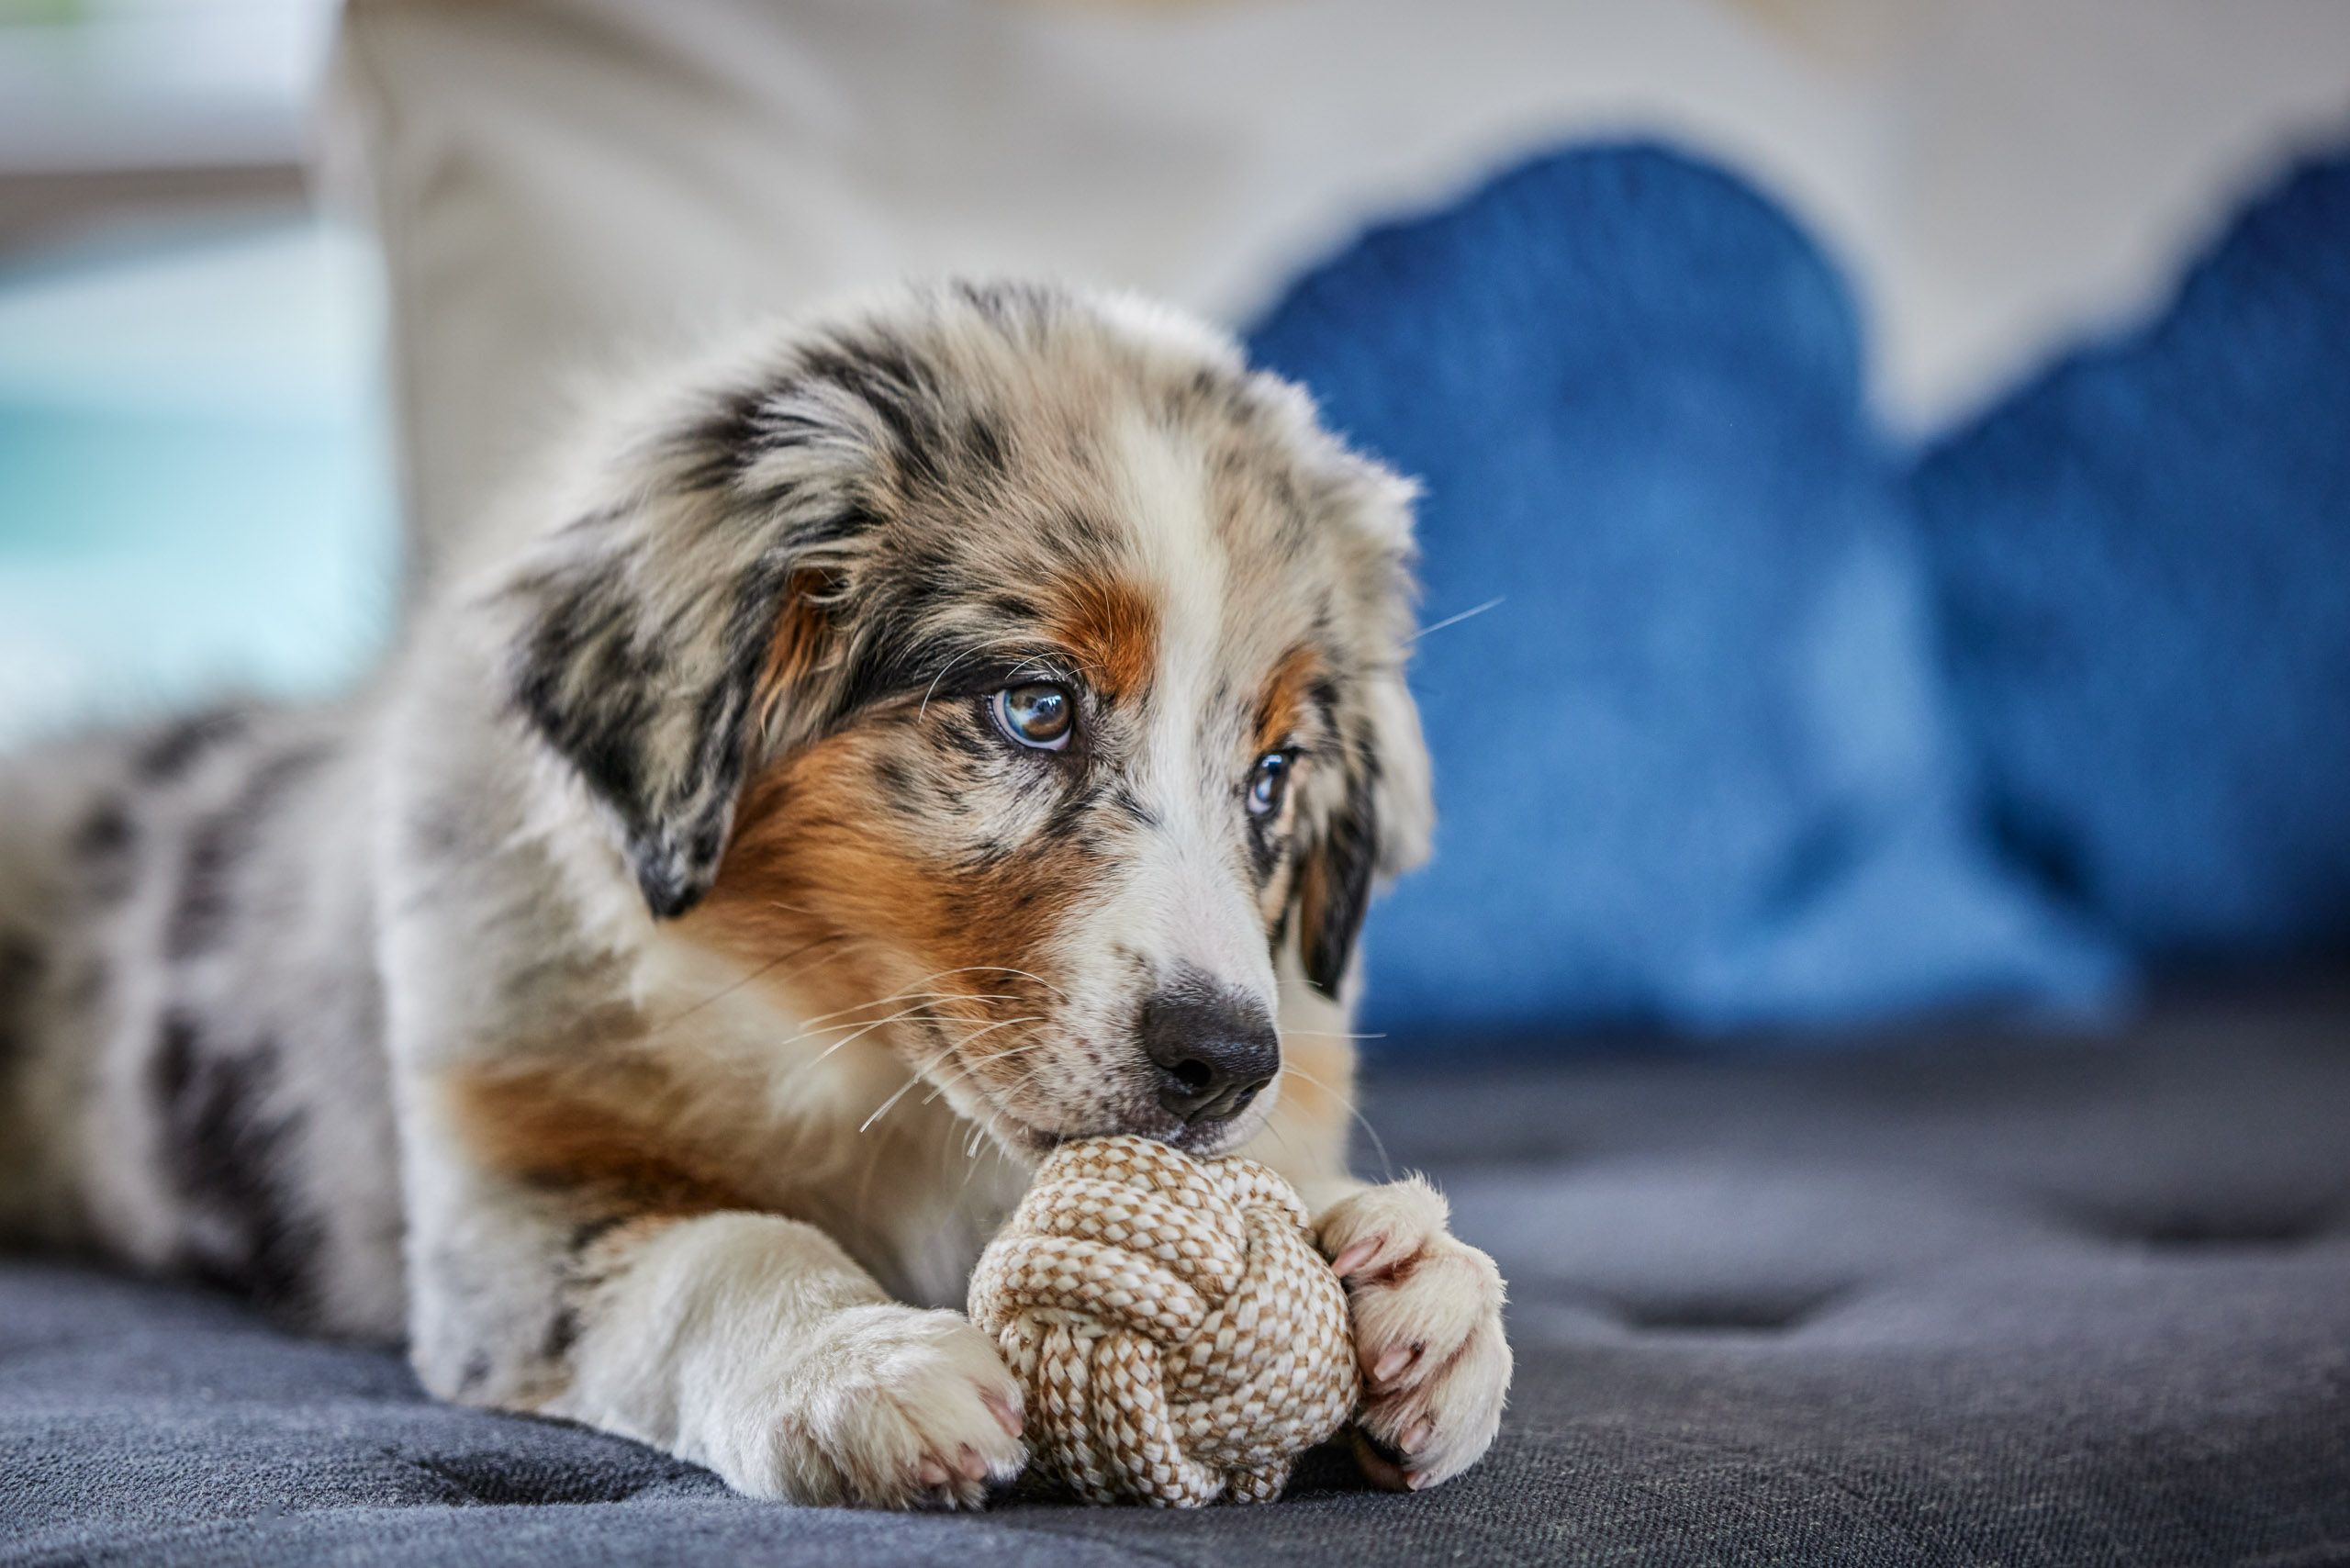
x=1214, y=1051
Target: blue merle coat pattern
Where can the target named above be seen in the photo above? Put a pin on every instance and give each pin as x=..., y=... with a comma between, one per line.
x=909, y=738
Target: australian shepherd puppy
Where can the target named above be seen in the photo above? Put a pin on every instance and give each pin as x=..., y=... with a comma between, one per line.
x=950, y=726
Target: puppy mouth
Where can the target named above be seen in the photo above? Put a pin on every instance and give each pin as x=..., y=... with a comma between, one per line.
x=1219, y=1139
x=1201, y=1142
x=1202, y=1139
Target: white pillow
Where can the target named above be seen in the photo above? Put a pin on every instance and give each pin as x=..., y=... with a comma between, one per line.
x=557, y=183
x=561, y=181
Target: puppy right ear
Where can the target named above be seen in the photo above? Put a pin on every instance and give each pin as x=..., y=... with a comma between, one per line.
x=1378, y=830
x=1379, y=813
x=658, y=642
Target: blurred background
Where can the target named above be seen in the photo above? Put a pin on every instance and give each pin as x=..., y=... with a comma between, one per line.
x=1888, y=463
x=195, y=488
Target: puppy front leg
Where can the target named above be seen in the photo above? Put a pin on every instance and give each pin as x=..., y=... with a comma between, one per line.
x=753, y=1345
x=741, y=1340
x=1427, y=1306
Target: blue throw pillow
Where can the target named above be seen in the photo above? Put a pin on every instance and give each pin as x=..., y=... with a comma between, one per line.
x=2144, y=562
x=1693, y=768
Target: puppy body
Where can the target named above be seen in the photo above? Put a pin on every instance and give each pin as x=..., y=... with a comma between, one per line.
x=648, y=996
x=190, y=1034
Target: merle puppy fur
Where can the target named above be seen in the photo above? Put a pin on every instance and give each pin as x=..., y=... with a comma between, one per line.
x=918, y=735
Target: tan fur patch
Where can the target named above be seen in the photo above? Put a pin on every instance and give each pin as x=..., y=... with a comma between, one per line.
x=1112, y=628
x=1282, y=708
x=797, y=644
x=1313, y=879
x=605, y=1128
x=813, y=865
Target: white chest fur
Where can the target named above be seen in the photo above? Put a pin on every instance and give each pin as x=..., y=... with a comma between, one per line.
x=825, y=1120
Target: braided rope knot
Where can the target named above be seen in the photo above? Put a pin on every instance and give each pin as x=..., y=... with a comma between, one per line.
x=1180, y=1337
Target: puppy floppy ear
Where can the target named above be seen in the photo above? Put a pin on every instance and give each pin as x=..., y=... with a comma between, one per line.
x=1378, y=826
x=664, y=638
x=1379, y=829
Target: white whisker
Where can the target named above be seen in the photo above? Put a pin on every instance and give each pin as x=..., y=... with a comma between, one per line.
x=947, y=669
x=1455, y=620
x=883, y=1109
x=1023, y=974
x=724, y=991
x=1386, y=1166
x=996, y=1056
x=908, y=996
x=822, y=1057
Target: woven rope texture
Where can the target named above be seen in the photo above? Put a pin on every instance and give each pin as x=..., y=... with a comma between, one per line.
x=1179, y=1336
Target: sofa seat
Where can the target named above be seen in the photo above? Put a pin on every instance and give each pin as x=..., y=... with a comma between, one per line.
x=1960, y=1300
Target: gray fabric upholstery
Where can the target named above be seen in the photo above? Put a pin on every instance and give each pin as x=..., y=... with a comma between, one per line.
x=2034, y=1302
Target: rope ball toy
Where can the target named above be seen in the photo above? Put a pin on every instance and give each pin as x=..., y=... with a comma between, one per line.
x=1178, y=1335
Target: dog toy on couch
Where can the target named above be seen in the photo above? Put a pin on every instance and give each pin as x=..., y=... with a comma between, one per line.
x=1179, y=1335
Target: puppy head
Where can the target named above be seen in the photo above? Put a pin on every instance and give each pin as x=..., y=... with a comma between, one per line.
x=1009, y=670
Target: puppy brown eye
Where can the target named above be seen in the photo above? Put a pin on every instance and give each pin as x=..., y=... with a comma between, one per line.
x=1268, y=784
x=1041, y=716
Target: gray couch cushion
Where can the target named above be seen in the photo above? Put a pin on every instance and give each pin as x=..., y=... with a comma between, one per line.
x=2037, y=1301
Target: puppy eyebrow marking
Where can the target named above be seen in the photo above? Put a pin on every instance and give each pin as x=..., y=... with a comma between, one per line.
x=1283, y=704
x=1111, y=627
x=990, y=664
x=977, y=669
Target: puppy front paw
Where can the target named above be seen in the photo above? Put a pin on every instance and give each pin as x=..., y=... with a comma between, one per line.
x=888, y=1407
x=1427, y=1318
